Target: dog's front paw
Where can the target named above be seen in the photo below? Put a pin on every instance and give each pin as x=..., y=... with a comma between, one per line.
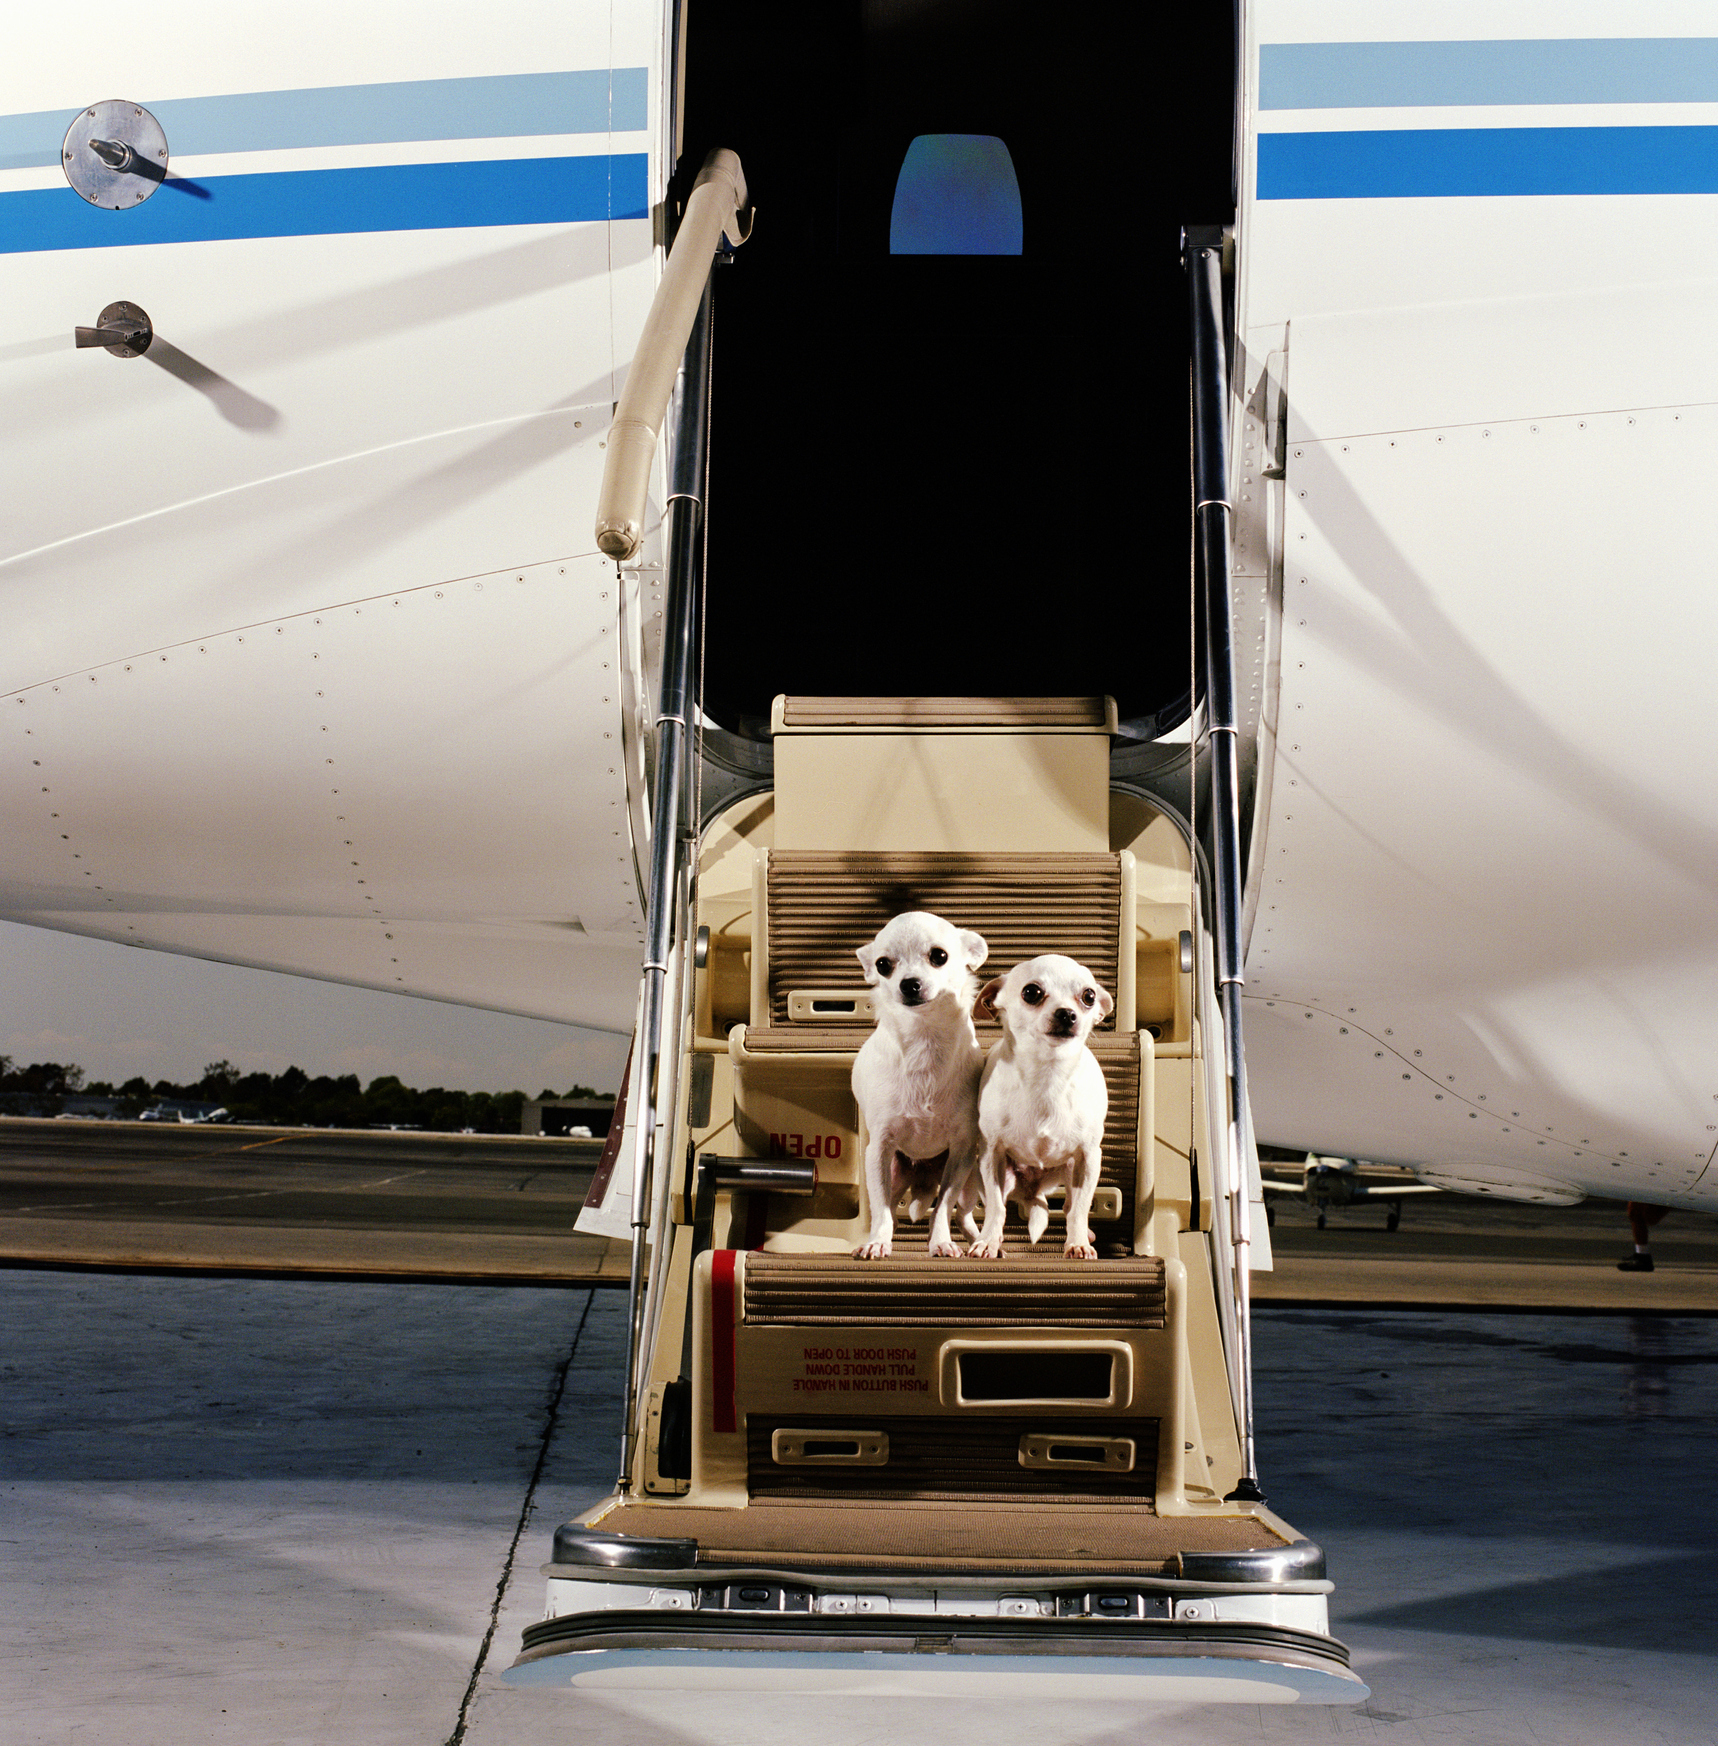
x=947, y=1251
x=1080, y=1252
x=875, y=1250
x=982, y=1251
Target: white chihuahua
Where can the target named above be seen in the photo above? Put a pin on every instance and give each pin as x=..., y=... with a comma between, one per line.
x=916, y=1078
x=1042, y=1101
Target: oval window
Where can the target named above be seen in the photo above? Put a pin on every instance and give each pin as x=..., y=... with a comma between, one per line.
x=957, y=194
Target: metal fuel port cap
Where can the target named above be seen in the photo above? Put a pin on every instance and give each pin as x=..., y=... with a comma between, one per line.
x=115, y=154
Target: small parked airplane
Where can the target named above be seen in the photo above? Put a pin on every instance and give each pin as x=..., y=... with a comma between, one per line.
x=1324, y=1183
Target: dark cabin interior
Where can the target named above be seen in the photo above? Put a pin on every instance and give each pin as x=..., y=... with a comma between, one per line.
x=946, y=473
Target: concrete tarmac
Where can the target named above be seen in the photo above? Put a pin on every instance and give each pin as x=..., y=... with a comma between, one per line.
x=283, y=1512
x=1457, y=1251
x=372, y=1204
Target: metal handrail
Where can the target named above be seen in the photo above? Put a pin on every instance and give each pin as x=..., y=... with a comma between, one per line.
x=716, y=207
x=661, y=934
x=618, y=531
x=1211, y=532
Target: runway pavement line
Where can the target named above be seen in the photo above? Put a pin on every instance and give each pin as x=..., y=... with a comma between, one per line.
x=1350, y=1283
x=165, y=1142
x=561, y=1259
x=1426, y=1306
x=312, y=1253
x=324, y=1275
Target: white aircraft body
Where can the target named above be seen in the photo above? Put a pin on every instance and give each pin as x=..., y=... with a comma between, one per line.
x=309, y=660
x=311, y=664
x=1477, y=259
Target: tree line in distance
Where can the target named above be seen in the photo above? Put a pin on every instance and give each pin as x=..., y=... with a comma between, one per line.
x=289, y=1099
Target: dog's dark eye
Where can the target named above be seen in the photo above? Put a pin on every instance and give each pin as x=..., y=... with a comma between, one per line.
x=1087, y=996
x=1032, y=994
x=937, y=956
x=885, y=966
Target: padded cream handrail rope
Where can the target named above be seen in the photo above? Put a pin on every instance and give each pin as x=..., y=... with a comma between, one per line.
x=715, y=205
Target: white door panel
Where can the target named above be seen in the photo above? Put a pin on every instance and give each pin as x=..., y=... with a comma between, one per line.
x=308, y=662
x=1494, y=818
x=443, y=506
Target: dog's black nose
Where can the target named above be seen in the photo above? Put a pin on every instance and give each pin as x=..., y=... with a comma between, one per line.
x=911, y=988
x=1064, y=1021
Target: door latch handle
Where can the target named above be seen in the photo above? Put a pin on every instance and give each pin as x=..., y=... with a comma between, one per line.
x=123, y=329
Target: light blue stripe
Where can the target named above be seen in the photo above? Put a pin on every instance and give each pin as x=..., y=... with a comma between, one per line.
x=334, y=202
x=500, y=106
x=1487, y=162
x=1399, y=75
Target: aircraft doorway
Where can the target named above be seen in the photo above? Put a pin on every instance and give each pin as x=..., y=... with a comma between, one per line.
x=965, y=472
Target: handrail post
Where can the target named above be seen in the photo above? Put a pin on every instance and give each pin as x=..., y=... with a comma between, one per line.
x=685, y=511
x=1211, y=531
x=674, y=343
x=1215, y=1076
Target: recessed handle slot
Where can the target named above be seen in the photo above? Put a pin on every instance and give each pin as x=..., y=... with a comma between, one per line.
x=825, y=1448
x=1078, y=1372
x=830, y=1006
x=1006, y=1375
x=1109, y=1454
x=1106, y=1202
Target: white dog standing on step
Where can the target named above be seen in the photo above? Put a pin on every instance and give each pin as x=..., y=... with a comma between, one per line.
x=1042, y=1101
x=916, y=1078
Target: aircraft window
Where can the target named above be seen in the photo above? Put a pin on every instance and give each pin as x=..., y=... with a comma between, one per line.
x=957, y=194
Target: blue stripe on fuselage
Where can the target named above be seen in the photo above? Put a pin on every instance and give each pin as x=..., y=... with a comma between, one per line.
x=1424, y=163
x=329, y=202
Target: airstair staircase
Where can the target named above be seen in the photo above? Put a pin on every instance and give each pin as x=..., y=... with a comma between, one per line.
x=1024, y=1461
x=943, y=1476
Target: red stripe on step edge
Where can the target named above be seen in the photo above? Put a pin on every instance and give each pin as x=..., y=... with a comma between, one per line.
x=722, y=1339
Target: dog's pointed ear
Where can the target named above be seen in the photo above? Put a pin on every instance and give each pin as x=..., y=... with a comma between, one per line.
x=985, y=1006
x=867, y=956
x=1106, y=1002
x=974, y=947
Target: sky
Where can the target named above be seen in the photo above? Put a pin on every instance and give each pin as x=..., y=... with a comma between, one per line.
x=118, y=1011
